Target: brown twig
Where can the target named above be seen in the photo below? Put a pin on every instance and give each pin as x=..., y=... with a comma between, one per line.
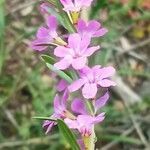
x=136, y=125
x=113, y=143
x=119, y=50
x=22, y=6
x=11, y=118
x=125, y=92
x=136, y=46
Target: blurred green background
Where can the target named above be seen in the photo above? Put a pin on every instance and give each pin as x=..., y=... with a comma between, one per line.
x=27, y=86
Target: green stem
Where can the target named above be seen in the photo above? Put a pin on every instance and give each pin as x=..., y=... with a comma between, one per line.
x=90, y=107
x=89, y=141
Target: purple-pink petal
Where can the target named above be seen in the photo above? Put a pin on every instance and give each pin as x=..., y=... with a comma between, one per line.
x=73, y=124
x=84, y=3
x=56, y=103
x=79, y=63
x=66, y=2
x=91, y=50
x=89, y=90
x=99, y=118
x=42, y=33
x=74, y=41
x=60, y=104
x=76, y=85
x=101, y=101
x=75, y=5
x=95, y=70
x=107, y=72
x=85, y=42
x=51, y=22
x=78, y=106
x=64, y=98
x=81, y=26
x=40, y=44
x=62, y=85
x=93, y=26
x=84, y=71
x=101, y=32
x=62, y=64
x=85, y=120
x=90, y=29
x=106, y=83
x=60, y=51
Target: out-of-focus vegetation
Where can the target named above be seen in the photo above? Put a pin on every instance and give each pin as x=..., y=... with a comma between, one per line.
x=27, y=86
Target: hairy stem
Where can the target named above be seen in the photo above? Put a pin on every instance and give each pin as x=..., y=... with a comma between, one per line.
x=89, y=141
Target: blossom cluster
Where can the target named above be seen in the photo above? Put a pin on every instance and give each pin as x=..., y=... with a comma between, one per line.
x=73, y=54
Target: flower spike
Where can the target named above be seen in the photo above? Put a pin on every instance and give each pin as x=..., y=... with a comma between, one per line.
x=79, y=113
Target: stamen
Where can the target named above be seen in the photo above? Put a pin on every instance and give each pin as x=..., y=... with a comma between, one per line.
x=75, y=17
x=59, y=41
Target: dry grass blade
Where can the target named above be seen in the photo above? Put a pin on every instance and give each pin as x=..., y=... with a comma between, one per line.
x=125, y=92
x=22, y=6
x=136, y=46
x=136, y=125
x=33, y=141
x=110, y=145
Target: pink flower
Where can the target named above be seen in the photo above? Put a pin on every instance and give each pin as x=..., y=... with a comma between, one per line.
x=92, y=29
x=75, y=53
x=84, y=123
x=59, y=111
x=75, y=5
x=45, y=35
x=91, y=79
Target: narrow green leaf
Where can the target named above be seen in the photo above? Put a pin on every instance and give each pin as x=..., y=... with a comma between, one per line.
x=59, y=72
x=49, y=62
x=52, y=1
x=2, y=33
x=68, y=135
x=44, y=118
x=48, y=59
